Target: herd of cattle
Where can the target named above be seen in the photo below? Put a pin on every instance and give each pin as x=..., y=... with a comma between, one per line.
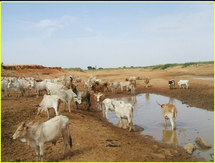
x=64, y=89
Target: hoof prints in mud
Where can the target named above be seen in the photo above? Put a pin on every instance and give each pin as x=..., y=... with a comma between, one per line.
x=112, y=143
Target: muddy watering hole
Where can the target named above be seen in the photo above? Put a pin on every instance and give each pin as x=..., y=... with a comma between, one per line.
x=191, y=122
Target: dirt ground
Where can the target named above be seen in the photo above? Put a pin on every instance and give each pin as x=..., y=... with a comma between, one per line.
x=93, y=136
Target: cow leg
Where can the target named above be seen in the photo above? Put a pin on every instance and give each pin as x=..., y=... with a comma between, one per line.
x=37, y=153
x=165, y=121
x=88, y=104
x=76, y=105
x=100, y=105
x=105, y=112
x=37, y=93
x=130, y=124
x=65, y=145
x=172, y=123
x=56, y=112
x=65, y=106
x=41, y=151
x=69, y=106
x=47, y=112
x=120, y=120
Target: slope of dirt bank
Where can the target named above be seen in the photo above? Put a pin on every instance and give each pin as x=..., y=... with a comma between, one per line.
x=92, y=134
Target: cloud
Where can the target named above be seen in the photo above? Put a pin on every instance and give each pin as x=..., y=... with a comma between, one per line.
x=50, y=25
x=88, y=29
x=189, y=18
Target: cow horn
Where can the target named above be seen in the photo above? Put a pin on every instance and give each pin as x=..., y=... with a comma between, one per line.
x=159, y=104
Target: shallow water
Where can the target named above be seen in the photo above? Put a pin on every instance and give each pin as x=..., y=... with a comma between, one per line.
x=211, y=79
x=191, y=122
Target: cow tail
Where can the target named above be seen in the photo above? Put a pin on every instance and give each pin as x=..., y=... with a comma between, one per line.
x=70, y=138
x=132, y=116
x=70, y=141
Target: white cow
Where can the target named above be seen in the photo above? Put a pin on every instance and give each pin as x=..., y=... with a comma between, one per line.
x=39, y=86
x=36, y=135
x=50, y=101
x=124, y=84
x=132, y=79
x=87, y=85
x=78, y=79
x=183, y=83
x=4, y=87
x=107, y=105
x=132, y=88
x=53, y=87
x=114, y=86
x=19, y=86
x=67, y=78
x=124, y=111
x=27, y=85
x=68, y=96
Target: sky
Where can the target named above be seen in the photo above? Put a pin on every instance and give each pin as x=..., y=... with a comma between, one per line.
x=106, y=35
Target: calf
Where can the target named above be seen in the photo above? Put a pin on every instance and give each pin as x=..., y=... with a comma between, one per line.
x=171, y=84
x=50, y=101
x=169, y=111
x=36, y=135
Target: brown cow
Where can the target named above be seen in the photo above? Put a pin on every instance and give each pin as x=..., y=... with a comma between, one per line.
x=98, y=88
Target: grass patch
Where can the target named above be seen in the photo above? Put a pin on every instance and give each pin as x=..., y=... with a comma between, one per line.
x=196, y=63
x=154, y=67
x=74, y=69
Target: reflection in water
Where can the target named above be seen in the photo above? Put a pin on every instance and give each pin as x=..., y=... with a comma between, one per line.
x=135, y=128
x=132, y=99
x=148, y=115
x=170, y=137
x=171, y=100
x=124, y=124
x=147, y=97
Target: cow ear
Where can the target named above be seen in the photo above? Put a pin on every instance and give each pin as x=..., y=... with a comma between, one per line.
x=24, y=124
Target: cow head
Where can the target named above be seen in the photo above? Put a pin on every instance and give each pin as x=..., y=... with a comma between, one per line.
x=78, y=99
x=21, y=131
x=98, y=96
x=161, y=105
